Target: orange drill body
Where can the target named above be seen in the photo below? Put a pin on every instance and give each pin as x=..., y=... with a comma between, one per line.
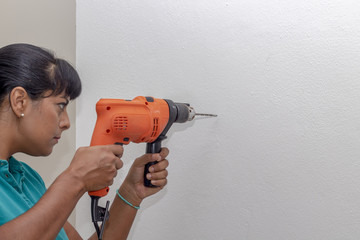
x=123, y=121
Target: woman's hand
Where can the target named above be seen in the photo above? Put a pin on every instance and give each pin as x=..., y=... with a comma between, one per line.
x=133, y=188
x=96, y=167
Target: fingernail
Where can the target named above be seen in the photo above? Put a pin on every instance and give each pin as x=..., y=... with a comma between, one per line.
x=156, y=157
x=151, y=169
x=148, y=176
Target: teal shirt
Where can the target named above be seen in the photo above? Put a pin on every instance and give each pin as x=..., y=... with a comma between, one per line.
x=20, y=188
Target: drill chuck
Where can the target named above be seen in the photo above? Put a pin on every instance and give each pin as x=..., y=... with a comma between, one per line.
x=184, y=112
x=187, y=113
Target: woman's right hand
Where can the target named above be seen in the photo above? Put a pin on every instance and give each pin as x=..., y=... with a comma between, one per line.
x=96, y=167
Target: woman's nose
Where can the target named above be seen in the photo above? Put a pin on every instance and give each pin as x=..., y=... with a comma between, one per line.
x=64, y=121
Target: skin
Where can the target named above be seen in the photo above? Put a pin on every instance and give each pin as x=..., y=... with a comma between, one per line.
x=92, y=168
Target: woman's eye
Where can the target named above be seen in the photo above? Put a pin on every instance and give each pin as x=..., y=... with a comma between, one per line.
x=62, y=106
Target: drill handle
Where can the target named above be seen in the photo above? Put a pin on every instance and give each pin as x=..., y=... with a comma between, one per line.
x=153, y=147
x=102, y=192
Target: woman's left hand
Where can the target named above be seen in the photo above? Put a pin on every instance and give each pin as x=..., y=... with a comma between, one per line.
x=133, y=187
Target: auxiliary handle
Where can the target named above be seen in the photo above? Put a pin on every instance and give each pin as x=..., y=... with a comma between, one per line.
x=154, y=147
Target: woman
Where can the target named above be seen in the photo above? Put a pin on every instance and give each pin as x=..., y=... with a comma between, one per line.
x=35, y=89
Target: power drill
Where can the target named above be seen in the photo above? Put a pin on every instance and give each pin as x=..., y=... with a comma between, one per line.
x=143, y=119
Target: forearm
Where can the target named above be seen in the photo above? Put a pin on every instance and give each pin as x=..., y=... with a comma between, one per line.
x=133, y=190
x=45, y=219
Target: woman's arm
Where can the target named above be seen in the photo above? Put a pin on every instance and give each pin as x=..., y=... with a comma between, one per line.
x=133, y=190
x=91, y=169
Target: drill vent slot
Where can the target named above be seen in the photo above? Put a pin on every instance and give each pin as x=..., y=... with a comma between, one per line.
x=156, y=127
x=120, y=123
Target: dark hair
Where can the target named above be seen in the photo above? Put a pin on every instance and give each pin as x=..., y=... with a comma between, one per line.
x=36, y=70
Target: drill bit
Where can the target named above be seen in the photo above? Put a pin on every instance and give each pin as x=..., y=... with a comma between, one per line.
x=206, y=115
x=192, y=114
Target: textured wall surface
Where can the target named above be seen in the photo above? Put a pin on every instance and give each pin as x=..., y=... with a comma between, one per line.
x=282, y=160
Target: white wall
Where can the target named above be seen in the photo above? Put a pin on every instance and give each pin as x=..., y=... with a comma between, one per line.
x=282, y=159
x=42, y=23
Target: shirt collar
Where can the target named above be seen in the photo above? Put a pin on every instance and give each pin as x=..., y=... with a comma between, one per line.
x=12, y=164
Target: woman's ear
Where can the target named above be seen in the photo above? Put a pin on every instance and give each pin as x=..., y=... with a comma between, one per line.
x=19, y=100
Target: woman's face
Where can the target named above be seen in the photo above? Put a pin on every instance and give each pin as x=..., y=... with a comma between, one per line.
x=42, y=124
